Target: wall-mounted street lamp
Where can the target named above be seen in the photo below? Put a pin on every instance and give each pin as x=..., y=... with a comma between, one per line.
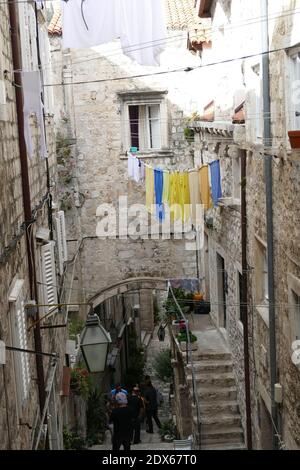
x=94, y=343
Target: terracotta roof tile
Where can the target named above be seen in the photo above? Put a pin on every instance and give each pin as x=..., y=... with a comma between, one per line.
x=180, y=15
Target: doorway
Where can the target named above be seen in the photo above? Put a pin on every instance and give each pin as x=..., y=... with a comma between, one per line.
x=221, y=276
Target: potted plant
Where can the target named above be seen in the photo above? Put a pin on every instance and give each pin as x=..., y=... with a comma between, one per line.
x=183, y=340
x=167, y=431
x=294, y=137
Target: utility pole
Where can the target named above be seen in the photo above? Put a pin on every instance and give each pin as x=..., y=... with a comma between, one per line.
x=268, y=161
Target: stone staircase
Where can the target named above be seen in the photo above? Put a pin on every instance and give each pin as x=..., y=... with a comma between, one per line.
x=221, y=427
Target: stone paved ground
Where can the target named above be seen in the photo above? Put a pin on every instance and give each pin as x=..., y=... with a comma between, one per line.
x=151, y=441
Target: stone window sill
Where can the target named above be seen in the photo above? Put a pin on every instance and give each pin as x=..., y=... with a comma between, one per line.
x=263, y=311
x=230, y=202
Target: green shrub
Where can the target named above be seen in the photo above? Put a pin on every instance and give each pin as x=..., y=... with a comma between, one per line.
x=72, y=440
x=182, y=336
x=168, y=428
x=96, y=418
x=162, y=365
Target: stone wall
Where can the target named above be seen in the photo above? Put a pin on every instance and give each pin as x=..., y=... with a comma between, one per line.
x=15, y=425
x=224, y=237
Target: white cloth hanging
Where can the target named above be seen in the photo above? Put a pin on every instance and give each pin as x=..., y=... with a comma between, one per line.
x=144, y=33
x=32, y=92
x=140, y=25
x=90, y=23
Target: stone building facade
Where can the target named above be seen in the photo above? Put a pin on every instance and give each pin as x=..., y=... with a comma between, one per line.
x=236, y=127
x=22, y=391
x=94, y=90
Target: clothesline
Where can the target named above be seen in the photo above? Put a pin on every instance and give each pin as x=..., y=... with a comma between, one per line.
x=181, y=191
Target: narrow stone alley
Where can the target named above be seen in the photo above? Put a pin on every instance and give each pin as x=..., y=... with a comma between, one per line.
x=151, y=441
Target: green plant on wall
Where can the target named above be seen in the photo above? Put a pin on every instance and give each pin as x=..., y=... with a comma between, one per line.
x=162, y=365
x=75, y=326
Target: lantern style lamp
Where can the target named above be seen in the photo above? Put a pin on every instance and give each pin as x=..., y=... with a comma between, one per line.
x=94, y=343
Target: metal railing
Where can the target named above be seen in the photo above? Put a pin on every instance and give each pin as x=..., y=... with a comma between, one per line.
x=190, y=360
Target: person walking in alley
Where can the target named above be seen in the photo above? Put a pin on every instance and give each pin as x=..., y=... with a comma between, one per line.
x=151, y=406
x=121, y=417
x=136, y=407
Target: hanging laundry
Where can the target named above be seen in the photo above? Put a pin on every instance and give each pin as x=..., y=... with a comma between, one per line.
x=149, y=188
x=195, y=197
x=88, y=23
x=140, y=24
x=204, y=187
x=175, y=196
x=166, y=190
x=184, y=196
x=159, y=183
x=130, y=163
x=215, y=174
x=142, y=169
x=144, y=33
x=32, y=91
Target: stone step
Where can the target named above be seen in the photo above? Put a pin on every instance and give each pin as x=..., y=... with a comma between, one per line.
x=212, y=366
x=214, y=395
x=215, y=408
x=224, y=379
x=214, y=356
x=231, y=446
x=210, y=423
x=217, y=436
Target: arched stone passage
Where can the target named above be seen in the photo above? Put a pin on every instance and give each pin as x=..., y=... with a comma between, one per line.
x=142, y=285
x=128, y=285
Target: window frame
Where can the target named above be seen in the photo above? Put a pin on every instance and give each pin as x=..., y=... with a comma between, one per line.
x=294, y=56
x=144, y=99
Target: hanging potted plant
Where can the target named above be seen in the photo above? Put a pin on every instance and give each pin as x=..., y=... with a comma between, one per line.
x=294, y=137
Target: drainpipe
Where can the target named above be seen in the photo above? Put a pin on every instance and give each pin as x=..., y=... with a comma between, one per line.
x=244, y=298
x=17, y=64
x=269, y=217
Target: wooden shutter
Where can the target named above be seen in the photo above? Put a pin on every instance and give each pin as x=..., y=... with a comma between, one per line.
x=61, y=240
x=19, y=338
x=49, y=283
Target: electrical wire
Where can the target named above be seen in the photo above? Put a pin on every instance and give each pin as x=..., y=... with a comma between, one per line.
x=182, y=69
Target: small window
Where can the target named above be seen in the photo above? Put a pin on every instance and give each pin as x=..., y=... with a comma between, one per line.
x=145, y=127
x=261, y=273
x=295, y=89
x=144, y=121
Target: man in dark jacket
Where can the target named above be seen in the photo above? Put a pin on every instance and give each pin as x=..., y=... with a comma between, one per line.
x=151, y=406
x=121, y=417
x=135, y=405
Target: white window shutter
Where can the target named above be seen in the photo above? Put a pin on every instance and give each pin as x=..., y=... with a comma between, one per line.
x=61, y=240
x=19, y=337
x=49, y=283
